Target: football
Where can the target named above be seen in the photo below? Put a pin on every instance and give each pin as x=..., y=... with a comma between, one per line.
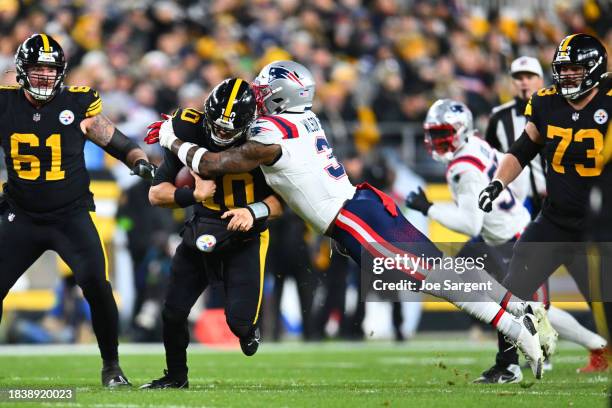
x=184, y=179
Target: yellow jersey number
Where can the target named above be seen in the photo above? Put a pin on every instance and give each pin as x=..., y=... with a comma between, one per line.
x=32, y=172
x=228, y=191
x=568, y=136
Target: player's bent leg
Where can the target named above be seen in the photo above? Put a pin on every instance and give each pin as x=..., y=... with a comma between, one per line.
x=244, y=278
x=20, y=247
x=79, y=244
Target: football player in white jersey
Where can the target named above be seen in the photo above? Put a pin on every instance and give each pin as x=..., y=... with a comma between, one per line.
x=471, y=162
x=289, y=144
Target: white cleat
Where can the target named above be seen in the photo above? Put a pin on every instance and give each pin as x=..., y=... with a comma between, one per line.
x=548, y=335
x=528, y=342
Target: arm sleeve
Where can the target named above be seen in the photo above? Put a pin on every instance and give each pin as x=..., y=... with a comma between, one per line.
x=491, y=132
x=167, y=171
x=464, y=216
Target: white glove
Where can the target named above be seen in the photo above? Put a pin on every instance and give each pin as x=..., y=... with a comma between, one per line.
x=166, y=134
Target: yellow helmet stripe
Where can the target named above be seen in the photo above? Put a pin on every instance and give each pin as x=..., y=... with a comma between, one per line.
x=566, y=42
x=230, y=102
x=45, y=43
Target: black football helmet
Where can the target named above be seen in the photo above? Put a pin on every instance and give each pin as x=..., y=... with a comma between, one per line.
x=229, y=110
x=579, y=50
x=36, y=51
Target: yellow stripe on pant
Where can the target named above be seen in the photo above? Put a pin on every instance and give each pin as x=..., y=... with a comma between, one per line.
x=264, y=240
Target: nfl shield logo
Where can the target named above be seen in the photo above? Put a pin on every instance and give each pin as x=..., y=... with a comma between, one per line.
x=36, y=117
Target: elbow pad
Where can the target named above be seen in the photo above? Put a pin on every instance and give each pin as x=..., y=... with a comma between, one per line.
x=120, y=145
x=524, y=149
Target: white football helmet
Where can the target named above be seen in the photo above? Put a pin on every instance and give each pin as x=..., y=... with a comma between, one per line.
x=284, y=86
x=447, y=126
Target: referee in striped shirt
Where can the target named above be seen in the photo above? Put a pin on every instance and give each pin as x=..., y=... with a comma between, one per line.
x=508, y=121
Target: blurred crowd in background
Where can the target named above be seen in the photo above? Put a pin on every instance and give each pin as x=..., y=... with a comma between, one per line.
x=378, y=66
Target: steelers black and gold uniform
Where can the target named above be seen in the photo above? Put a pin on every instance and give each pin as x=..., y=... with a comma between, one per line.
x=48, y=201
x=210, y=252
x=573, y=151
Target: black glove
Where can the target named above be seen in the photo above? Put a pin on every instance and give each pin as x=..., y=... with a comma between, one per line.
x=489, y=194
x=144, y=169
x=418, y=201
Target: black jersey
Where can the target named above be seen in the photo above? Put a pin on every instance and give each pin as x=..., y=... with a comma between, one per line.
x=233, y=190
x=574, y=142
x=43, y=149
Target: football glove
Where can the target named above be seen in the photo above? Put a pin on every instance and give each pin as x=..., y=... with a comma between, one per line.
x=144, y=169
x=418, y=201
x=489, y=194
x=152, y=136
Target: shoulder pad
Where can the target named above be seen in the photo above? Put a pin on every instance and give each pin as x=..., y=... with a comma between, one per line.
x=87, y=98
x=187, y=124
x=266, y=130
x=10, y=87
x=551, y=90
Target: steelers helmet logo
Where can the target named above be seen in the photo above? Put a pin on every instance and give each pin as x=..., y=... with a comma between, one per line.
x=600, y=116
x=206, y=243
x=66, y=117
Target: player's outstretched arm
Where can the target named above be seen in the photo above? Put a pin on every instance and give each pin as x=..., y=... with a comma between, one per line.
x=100, y=130
x=522, y=151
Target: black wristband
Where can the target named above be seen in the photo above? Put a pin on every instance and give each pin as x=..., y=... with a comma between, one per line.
x=184, y=197
x=259, y=210
x=120, y=145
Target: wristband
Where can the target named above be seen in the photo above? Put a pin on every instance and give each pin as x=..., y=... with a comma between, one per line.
x=195, y=162
x=182, y=152
x=184, y=197
x=259, y=210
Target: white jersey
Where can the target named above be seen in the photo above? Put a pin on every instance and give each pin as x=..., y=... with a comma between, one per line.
x=307, y=175
x=470, y=171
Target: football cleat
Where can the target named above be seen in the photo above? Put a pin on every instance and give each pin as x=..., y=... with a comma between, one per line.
x=166, y=381
x=598, y=362
x=528, y=342
x=548, y=335
x=113, y=377
x=501, y=375
x=249, y=345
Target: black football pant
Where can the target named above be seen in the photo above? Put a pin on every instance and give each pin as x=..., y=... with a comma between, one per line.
x=541, y=249
x=242, y=272
x=77, y=241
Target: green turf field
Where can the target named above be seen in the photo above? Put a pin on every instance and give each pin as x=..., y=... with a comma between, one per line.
x=421, y=373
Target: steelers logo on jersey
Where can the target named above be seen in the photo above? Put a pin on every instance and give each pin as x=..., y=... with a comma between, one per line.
x=600, y=116
x=206, y=243
x=66, y=117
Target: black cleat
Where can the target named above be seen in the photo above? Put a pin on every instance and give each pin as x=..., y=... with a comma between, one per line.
x=250, y=344
x=166, y=381
x=113, y=377
x=501, y=375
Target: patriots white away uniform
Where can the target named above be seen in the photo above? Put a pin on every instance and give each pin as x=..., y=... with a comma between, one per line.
x=470, y=170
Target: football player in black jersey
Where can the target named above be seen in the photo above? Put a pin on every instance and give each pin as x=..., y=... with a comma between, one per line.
x=569, y=120
x=46, y=203
x=226, y=239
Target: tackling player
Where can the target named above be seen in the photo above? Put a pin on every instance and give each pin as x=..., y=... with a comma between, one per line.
x=226, y=239
x=569, y=120
x=289, y=144
x=47, y=202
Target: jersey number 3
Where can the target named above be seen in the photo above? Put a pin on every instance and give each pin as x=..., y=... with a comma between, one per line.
x=334, y=169
x=32, y=172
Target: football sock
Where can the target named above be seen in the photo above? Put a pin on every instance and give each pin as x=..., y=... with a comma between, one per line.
x=104, y=317
x=569, y=329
